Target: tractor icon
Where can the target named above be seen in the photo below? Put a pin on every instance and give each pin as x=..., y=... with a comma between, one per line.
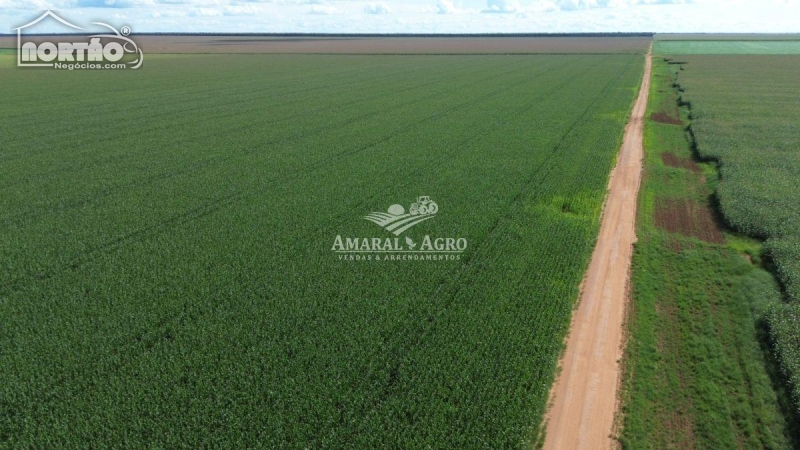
x=423, y=206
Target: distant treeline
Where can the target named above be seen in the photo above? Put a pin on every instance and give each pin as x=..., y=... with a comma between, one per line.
x=384, y=35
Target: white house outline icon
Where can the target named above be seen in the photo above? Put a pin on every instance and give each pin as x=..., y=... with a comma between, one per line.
x=48, y=13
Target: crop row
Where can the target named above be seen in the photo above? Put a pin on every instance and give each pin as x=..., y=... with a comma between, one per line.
x=744, y=115
x=166, y=273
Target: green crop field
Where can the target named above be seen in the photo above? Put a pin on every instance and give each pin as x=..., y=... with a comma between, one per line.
x=726, y=47
x=744, y=115
x=727, y=37
x=167, y=273
x=698, y=375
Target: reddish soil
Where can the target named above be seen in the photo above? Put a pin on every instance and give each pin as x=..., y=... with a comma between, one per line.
x=689, y=219
x=662, y=117
x=671, y=160
x=678, y=245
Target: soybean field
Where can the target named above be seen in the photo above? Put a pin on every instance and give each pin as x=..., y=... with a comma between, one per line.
x=727, y=47
x=167, y=267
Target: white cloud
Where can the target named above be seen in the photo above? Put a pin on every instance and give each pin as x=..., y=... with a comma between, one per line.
x=324, y=10
x=283, y=3
x=503, y=6
x=205, y=12
x=445, y=7
x=242, y=10
x=168, y=13
x=417, y=16
x=115, y=3
x=573, y=5
x=377, y=8
x=27, y=5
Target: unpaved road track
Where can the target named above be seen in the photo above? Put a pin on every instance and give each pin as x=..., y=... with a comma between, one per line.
x=584, y=397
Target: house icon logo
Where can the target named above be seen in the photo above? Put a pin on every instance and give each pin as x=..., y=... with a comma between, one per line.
x=108, y=50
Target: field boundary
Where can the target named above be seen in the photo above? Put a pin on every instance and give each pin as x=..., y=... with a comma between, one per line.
x=585, y=397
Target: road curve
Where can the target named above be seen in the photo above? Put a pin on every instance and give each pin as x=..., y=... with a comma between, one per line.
x=584, y=398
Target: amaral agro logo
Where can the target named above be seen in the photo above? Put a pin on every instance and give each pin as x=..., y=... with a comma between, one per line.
x=396, y=221
x=76, y=51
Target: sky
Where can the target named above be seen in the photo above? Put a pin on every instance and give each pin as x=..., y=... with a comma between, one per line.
x=415, y=16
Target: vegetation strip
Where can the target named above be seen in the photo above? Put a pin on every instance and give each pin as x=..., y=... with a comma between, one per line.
x=585, y=393
x=744, y=115
x=698, y=367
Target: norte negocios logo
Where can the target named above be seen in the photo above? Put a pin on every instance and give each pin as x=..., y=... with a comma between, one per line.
x=110, y=49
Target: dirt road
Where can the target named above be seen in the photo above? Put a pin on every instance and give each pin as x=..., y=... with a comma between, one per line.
x=584, y=397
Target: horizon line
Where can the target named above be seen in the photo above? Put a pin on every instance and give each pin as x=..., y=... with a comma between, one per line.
x=407, y=34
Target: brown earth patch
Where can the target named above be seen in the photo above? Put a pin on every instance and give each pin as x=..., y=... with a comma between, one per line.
x=662, y=117
x=677, y=245
x=672, y=160
x=682, y=426
x=689, y=219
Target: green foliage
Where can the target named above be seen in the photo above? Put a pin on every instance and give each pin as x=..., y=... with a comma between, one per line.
x=696, y=375
x=784, y=323
x=166, y=274
x=726, y=47
x=745, y=114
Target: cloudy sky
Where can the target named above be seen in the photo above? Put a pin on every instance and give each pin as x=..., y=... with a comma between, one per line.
x=417, y=16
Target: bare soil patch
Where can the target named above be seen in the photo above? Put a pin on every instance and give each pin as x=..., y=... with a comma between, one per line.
x=688, y=218
x=672, y=160
x=678, y=245
x=662, y=117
